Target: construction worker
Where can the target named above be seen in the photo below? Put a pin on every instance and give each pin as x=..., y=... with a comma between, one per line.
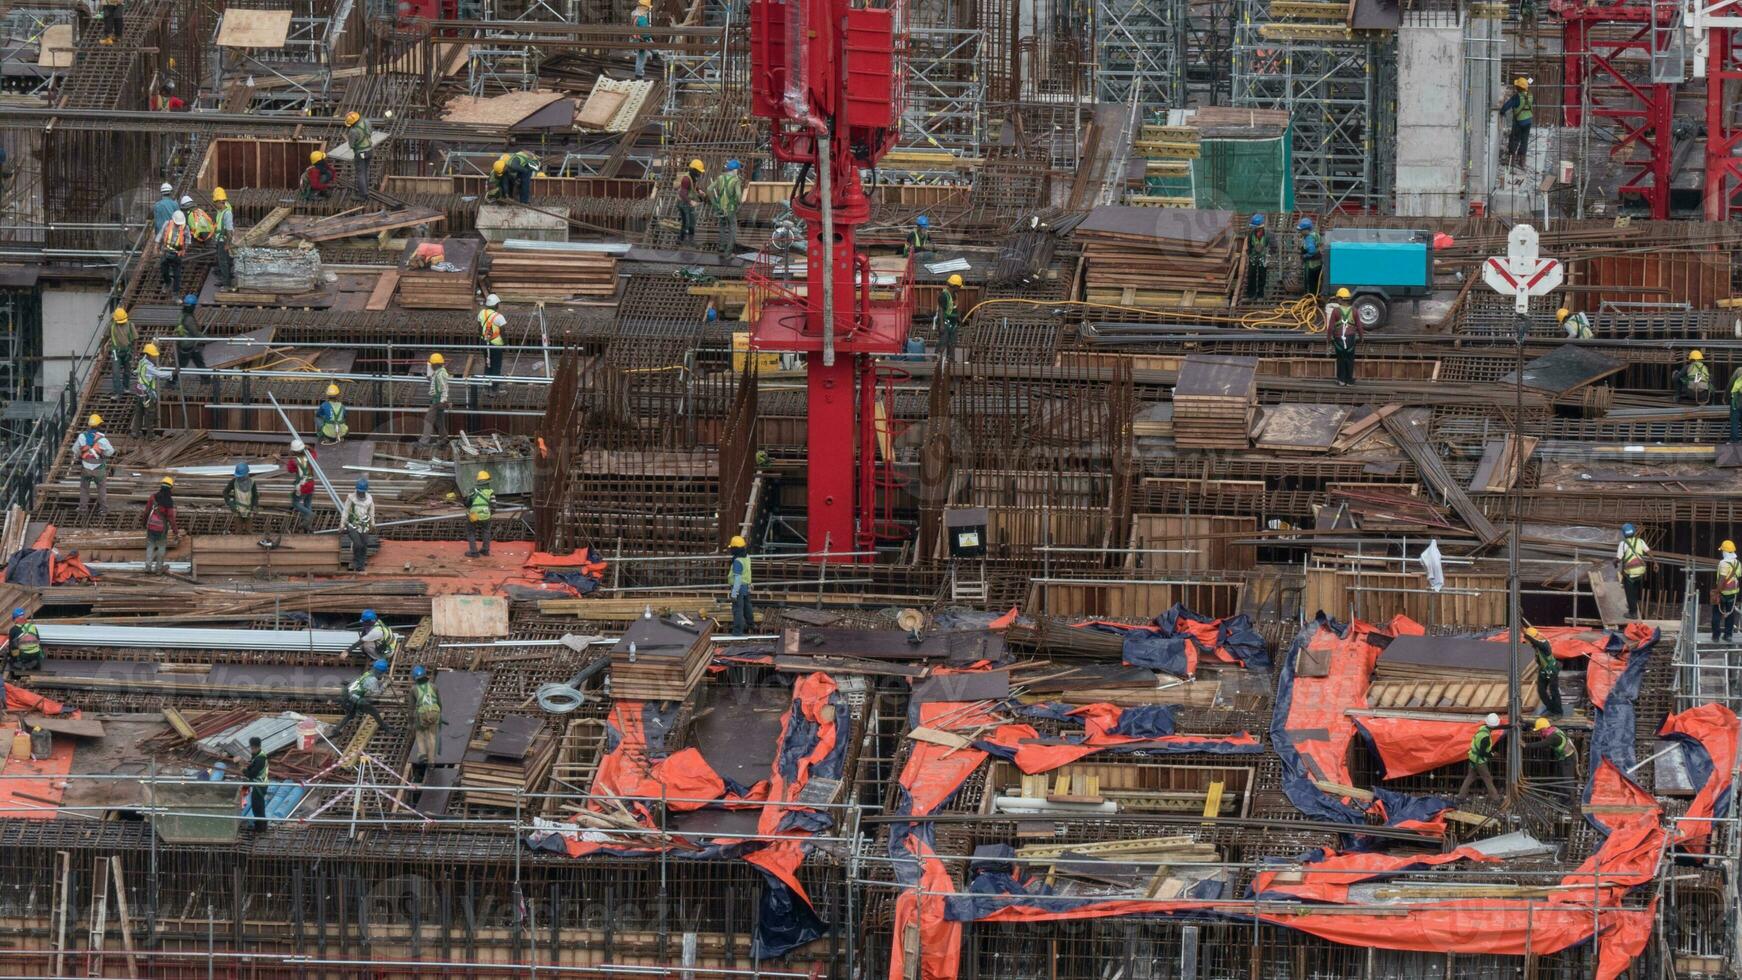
x=318, y=179
x=435, y=417
x=521, y=167
x=164, y=209
x=330, y=418
x=242, y=498
x=255, y=775
x=361, y=693
x=1481, y=753
x=121, y=340
x=480, y=507
x=919, y=238
x=490, y=326
x=224, y=234
x=112, y=25
x=93, y=450
x=1694, y=380
x=1257, y=258
x=187, y=332
x=689, y=187
x=501, y=184
x=301, y=467
x=357, y=520
x=1630, y=555
x=361, y=141
x=1577, y=325
x=1548, y=672
x=1729, y=583
x=23, y=643
x=160, y=526
x=376, y=639
x=146, y=376
x=165, y=99
x=1312, y=258
x=727, y=193
x=642, y=18
x=174, y=245
x=426, y=720
x=1343, y=330
x=1522, y=106
x=200, y=225
x=738, y=587
x=1736, y=405
x=948, y=318
x=1564, y=756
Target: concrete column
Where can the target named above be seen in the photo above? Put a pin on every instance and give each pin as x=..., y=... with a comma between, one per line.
x=1432, y=111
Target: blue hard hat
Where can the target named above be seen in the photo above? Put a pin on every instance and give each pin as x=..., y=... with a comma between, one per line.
x=241, y=470
x=380, y=666
x=1306, y=224
x=733, y=165
x=368, y=615
x=418, y=673
x=19, y=613
x=363, y=486
x=1257, y=220
x=190, y=300
x=713, y=314
x=922, y=221
x=1627, y=530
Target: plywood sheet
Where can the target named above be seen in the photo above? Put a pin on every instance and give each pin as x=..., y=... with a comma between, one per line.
x=600, y=109
x=243, y=28
x=498, y=110
x=1311, y=428
x=56, y=47
x=469, y=615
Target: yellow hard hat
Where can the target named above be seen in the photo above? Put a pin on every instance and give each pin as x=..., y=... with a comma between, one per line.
x=1728, y=545
x=1562, y=314
x=151, y=350
x=351, y=118
x=96, y=419
x=738, y=541
x=332, y=391
x=956, y=280
x=1541, y=723
x=169, y=481
x=698, y=165
x=500, y=165
x=435, y=359
x=1343, y=293
x=483, y=474
x=1532, y=632
x=316, y=157
x=219, y=195
x=1696, y=355
x=1521, y=83
x=120, y=315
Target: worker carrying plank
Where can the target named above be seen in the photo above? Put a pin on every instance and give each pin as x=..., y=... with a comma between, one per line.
x=93, y=450
x=161, y=529
x=1480, y=755
x=357, y=521
x=330, y=418
x=426, y=721
x=1630, y=558
x=360, y=694
x=435, y=417
x=480, y=507
x=1728, y=584
x=23, y=644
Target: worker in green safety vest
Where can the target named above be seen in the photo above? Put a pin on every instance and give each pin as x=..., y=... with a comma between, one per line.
x=1724, y=602
x=426, y=720
x=727, y=193
x=1631, y=556
x=146, y=376
x=361, y=693
x=1480, y=755
x=738, y=587
x=330, y=418
x=1548, y=672
x=23, y=643
x=375, y=639
x=1565, y=757
x=948, y=319
x=1522, y=106
x=121, y=340
x=256, y=776
x=480, y=507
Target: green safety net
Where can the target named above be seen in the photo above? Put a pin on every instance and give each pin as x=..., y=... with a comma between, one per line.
x=1235, y=175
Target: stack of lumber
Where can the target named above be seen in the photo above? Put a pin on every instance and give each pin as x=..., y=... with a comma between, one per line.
x=1214, y=402
x=514, y=756
x=241, y=554
x=440, y=288
x=1501, y=458
x=1455, y=675
x=535, y=275
x=1160, y=257
x=659, y=659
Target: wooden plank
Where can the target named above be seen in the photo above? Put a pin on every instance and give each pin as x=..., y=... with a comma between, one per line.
x=469, y=615
x=601, y=107
x=382, y=294
x=81, y=727
x=243, y=28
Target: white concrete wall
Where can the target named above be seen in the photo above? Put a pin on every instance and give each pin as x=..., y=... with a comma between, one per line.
x=70, y=320
x=1431, y=110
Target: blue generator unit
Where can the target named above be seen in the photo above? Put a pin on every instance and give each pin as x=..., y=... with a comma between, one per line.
x=1378, y=266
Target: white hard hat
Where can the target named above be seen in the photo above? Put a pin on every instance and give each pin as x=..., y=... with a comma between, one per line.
x=185, y=200
x=492, y=299
x=165, y=189
x=1492, y=721
x=180, y=217
x=296, y=446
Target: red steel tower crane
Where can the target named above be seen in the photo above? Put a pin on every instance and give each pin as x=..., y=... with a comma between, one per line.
x=826, y=75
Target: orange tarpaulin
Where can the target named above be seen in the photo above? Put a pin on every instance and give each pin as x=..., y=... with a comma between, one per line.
x=1715, y=727
x=1410, y=746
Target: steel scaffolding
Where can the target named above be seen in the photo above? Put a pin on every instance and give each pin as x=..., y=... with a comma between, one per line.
x=946, y=78
x=1140, y=47
x=1340, y=93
